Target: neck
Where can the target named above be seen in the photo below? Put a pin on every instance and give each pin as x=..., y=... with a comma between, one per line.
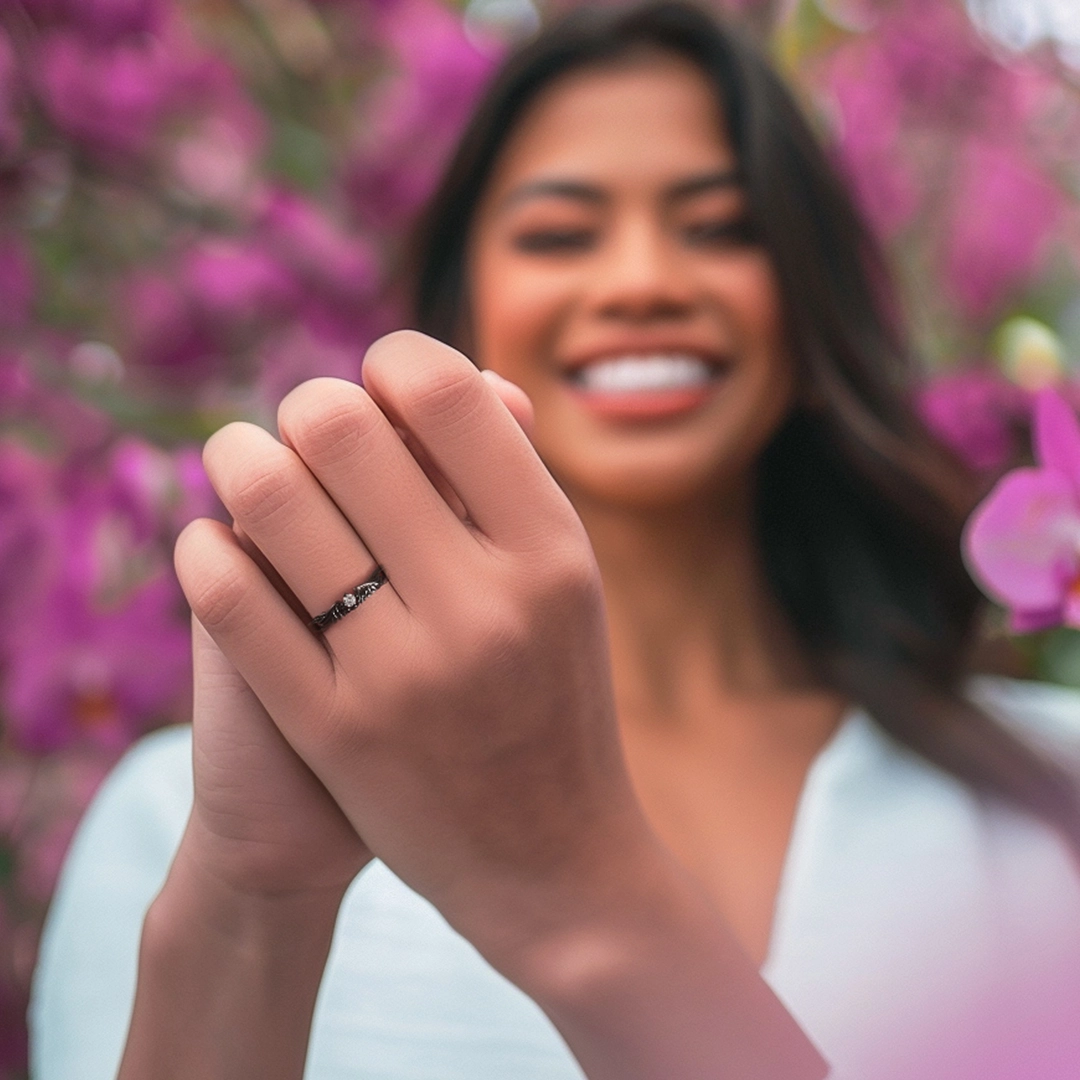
x=691, y=614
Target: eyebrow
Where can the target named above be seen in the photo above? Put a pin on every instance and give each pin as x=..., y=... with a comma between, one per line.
x=580, y=191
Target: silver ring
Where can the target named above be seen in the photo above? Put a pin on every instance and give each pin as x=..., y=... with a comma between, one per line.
x=350, y=601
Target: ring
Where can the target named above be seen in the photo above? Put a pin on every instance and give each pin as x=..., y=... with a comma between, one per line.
x=350, y=601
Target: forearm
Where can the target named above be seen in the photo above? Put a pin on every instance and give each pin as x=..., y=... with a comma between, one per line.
x=655, y=987
x=226, y=984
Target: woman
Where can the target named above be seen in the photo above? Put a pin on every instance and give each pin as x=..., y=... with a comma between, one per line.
x=640, y=232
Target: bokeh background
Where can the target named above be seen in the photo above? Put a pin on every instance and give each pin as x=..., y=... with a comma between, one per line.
x=203, y=202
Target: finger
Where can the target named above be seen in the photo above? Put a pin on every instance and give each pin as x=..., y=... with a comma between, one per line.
x=354, y=451
x=288, y=516
x=289, y=670
x=469, y=434
x=263, y=563
x=515, y=399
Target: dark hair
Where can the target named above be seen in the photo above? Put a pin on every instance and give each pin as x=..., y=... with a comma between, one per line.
x=859, y=510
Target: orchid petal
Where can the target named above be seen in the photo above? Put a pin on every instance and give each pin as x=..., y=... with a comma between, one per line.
x=1029, y=622
x=1070, y=615
x=1057, y=436
x=1022, y=544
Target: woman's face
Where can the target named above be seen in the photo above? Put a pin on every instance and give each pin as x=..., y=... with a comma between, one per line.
x=613, y=276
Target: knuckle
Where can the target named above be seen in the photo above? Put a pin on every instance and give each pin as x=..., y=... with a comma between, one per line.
x=566, y=572
x=261, y=490
x=331, y=427
x=448, y=395
x=218, y=600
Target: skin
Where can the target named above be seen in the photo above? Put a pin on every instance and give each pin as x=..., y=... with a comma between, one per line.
x=463, y=726
x=600, y=236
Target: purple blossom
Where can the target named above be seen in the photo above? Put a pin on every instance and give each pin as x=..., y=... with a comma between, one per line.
x=416, y=119
x=325, y=256
x=976, y=413
x=232, y=282
x=1005, y=210
x=303, y=352
x=869, y=111
x=103, y=20
x=106, y=650
x=1022, y=544
x=108, y=97
x=112, y=19
x=163, y=333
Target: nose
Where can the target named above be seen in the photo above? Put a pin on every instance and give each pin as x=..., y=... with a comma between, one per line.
x=640, y=276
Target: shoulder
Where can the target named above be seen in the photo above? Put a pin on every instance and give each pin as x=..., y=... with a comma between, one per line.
x=1045, y=715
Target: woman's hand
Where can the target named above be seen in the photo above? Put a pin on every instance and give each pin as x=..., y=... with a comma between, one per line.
x=261, y=822
x=234, y=946
x=463, y=717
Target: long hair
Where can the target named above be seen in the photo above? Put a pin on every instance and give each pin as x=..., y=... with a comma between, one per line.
x=859, y=510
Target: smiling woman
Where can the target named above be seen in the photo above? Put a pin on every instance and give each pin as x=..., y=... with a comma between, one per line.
x=614, y=277
x=666, y=715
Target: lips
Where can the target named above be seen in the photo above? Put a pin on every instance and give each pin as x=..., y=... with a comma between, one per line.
x=643, y=386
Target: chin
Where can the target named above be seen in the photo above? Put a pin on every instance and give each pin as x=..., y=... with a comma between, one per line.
x=653, y=487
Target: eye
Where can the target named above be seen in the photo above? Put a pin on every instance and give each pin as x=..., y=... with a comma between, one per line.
x=722, y=232
x=541, y=241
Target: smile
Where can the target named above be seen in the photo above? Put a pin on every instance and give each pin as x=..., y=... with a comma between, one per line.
x=643, y=387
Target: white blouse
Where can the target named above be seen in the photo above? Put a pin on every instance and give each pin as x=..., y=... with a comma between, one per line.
x=921, y=932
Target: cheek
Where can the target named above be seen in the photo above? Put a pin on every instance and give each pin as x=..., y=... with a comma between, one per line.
x=765, y=378
x=754, y=299
x=516, y=314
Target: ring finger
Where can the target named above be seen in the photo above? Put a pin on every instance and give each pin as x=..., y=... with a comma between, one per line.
x=288, y=516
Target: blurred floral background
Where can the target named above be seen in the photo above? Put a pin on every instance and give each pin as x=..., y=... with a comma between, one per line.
x=203, y=202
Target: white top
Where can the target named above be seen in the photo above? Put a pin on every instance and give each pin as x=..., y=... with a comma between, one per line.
x=920, y=932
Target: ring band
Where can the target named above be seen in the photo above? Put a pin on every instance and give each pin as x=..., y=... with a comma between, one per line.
x=350, y=601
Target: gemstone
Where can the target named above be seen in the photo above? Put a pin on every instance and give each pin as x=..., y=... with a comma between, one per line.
x=349, y=601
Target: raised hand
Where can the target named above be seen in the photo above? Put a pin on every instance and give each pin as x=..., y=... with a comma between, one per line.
x=462, y=718
x=262, y=823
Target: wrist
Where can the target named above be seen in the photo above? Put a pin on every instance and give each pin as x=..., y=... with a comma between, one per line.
x=227, y=978
x=645, y=980
x=196, y=900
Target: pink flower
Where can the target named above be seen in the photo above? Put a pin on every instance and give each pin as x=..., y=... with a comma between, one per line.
x=93, y=637
x=109, y=97
x=329, y=259
x=1022, y=544
x=416, y=117
x=1005, y=210
x=976, y=414
x=234, y=282
x=869, y=110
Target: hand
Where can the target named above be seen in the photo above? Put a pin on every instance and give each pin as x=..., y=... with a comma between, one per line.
x=463, y=718
x=262, y=823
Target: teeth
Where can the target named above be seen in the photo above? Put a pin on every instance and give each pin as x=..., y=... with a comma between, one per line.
x=625, y=374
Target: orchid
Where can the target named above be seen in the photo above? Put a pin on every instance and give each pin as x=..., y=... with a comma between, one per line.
x=1022, y=544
